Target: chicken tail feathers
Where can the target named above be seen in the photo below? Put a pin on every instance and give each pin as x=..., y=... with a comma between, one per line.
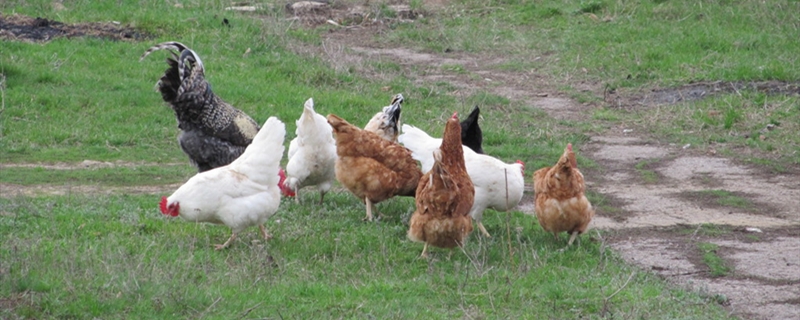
x=261, y=160
x=471, y=133
x=171, y=45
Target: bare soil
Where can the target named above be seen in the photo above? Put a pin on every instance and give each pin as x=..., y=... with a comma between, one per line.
x=655, y=223
x=23, y=28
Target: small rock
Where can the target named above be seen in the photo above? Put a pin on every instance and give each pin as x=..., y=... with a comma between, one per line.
x=627, y=130
x=762, y=137
x=686, y=146
x=752, y=229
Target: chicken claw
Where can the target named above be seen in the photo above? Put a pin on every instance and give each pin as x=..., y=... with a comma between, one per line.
x=483, y=230
x=264, y=233
x=226, y=244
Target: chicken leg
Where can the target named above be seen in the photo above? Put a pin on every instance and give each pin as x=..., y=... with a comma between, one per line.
x=483, y=230
x=226, y=244
x=424, y=254
x=369, y=209
x=572, y=237
x=264, y=233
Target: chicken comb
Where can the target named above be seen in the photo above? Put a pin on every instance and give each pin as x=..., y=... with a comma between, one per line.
x=569, y=147
x=522, y=164
x=455, y=115
x=163, y=205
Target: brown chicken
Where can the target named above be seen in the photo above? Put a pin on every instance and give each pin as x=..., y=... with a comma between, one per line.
x=372, y=168
x=560, y=201
x=444, y=196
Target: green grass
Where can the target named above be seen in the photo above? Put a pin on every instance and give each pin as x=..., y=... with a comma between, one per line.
x=706, y=229
x=728, y=199
x=115, y=176
x=647, y=175
x=715, y=264
x=118, y=257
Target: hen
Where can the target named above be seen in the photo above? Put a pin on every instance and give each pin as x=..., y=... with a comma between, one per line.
x=471, y=134
x=385, y=123
x=498, y=185
x=312, y=154
x=444, y=196
x=372, y=168
x=241, y=194
x=213, y=133
x=561, y=204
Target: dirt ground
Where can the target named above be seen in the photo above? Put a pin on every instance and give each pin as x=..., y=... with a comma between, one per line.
x=655, y=225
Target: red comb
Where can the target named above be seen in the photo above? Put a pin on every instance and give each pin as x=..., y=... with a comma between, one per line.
x=163, y=205
x=455, y=115
x=286, y=191
x=569, y=146
x=522, y=164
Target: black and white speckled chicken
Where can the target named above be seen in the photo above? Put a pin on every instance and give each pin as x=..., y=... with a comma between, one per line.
x=213, y=133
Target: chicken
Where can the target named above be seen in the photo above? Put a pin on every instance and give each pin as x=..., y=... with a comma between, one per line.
x=372, y=168
x=213, y=133
x=561, y=204
x=498, y=185
x=471, y=134
x=241, y=194
x=444, y=196
x=385, y=123
x=312, y=154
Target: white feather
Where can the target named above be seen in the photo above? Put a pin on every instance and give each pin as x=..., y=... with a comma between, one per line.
x=488, y=174
x=312, y=154
x=242, y=194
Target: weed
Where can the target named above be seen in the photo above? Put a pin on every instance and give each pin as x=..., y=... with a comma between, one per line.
x=715, y=264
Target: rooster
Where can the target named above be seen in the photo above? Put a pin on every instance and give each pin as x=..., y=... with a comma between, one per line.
x=444, y=196
x=471, y=133
x=498, y=185
x=213, y=133
x=385, y=123
x=372, y=168
x=242, y=194
x=561, y=204
x=312, y=154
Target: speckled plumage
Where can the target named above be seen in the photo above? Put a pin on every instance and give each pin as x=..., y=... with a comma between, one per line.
x=213, y=133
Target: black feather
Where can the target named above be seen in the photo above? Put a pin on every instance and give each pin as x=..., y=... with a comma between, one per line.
x=471, y=134
x=214, y=133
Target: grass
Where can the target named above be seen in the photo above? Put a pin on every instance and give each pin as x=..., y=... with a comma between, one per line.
x=715, y=264
x=706, y=229
x=114, y=256
x=648, y=175
x=729, y=199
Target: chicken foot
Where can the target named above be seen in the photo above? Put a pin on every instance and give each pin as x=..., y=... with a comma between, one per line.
x=572, y=238
x=483, y=230
x=264, y=233
x=424, y=254
x=226, y=244
x=370, y=208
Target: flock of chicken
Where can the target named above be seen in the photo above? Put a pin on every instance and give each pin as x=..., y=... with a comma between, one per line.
x=240, y=181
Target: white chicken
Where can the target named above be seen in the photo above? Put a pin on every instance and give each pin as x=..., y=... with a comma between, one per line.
x=312, y=154
x=385, y=123
x=239, y=195
x=498, y=185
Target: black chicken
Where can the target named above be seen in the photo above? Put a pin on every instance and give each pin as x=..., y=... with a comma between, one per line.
x=471, y=134
x=213, y=133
